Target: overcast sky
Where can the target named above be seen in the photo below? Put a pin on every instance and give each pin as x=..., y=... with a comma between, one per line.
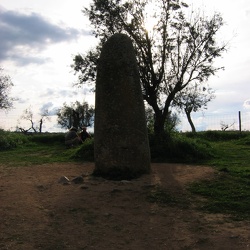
x=38, y=40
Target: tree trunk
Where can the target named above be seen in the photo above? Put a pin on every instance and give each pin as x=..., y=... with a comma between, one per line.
x=40, y=126
x=76, y=119
x=159, y=123
x=188, y=114
x=161, y=115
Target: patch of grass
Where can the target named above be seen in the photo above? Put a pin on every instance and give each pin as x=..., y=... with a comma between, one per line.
x=229, y=192
x=40, y=149
x=233, y=156
x=35, y=153
x=45, y=148
x=40, y=153
x=226, y=194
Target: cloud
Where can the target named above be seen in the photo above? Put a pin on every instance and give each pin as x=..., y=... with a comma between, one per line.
x=49, y=107
x=246, y=104
x=48, y=93
x=23, y=36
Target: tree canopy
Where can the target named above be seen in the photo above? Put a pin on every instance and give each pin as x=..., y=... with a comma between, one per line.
x=6, y=102
x=179, y=51
x=76, y=114
x=194, y=98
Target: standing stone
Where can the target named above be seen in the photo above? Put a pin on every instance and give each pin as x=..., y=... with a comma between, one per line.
x=121, y=140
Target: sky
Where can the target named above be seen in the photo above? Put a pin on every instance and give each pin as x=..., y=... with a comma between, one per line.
x=39, y=38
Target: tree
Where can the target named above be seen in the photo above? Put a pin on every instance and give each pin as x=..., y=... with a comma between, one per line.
x=44, y=116
x=76, y=115
x=5, y=86
x=225, y=126
x=28, y=115
x=170, y=125
x=179, y=51
x=193, y=99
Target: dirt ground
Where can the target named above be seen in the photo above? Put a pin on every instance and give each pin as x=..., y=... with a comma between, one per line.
x=38, y=212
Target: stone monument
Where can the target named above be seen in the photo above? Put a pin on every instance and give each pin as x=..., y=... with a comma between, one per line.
x=121, y=140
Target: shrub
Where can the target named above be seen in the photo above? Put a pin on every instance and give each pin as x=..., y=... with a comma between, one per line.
x=217, y=135
x=48, y=138
x=245, y=141
x=85, y=152
x=9, y=140
x=179, y=148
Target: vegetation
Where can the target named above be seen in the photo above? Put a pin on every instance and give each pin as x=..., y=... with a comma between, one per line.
x=10, y=140
x=17, y=149
x=176, y=53
x=226, y=151
x=76, y=114
x=229, y=192
x=28, y=115
x=6, y=102
x=193, y=99
x=179, y=148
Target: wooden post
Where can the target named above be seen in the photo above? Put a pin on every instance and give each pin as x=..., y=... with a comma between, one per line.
x=239, y=121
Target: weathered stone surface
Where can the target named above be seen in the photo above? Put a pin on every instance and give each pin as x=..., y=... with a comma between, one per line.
x=121, y=141
x=77, y=180
x=64, y=180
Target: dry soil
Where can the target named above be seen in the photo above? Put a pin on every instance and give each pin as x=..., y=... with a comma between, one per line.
x=37, y=212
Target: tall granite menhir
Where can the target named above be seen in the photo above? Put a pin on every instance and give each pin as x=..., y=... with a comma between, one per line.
x=121, y=141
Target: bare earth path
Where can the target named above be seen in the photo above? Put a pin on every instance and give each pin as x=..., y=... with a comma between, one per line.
x=37, y=212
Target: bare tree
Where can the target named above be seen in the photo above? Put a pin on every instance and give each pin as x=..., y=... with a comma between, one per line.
x=224, y=126
x=28, y=115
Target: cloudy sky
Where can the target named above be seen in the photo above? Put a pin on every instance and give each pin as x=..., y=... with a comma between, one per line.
x=38, y=40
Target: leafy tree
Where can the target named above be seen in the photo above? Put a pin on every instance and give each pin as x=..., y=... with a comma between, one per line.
x=179, y=51
x=194, y=98
x=149, y=119
x=76, y=114
x=170, y=125
x=5, y=86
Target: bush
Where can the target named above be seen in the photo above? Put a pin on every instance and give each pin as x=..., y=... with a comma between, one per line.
x=193, y=150
x=179, y=148
x=9, y=140
x=245, y=141
x=85, y=152
x=48, y=138
x=218, y=135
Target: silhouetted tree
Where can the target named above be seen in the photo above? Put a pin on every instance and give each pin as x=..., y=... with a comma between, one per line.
x=6, y=102
x=194, y=98
x=177, y=52
x=28, y=115
x=76, y=114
